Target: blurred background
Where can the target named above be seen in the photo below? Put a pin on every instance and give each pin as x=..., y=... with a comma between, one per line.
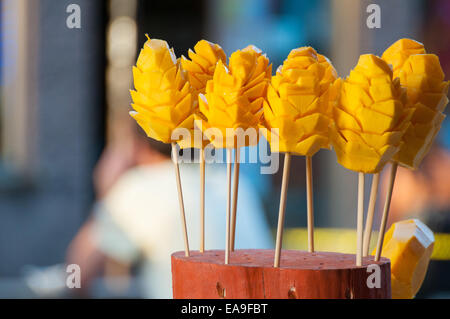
x=67, y=141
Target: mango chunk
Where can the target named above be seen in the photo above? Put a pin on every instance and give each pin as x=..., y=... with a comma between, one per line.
x=344, y=120
x=378, y=141
x=388, y=108
x=375, y=122
x=426, y=64
x=382, y=92
x=409, y=245
x=373, y=66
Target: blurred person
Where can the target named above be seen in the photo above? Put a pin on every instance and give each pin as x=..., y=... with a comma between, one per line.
x=137, y=216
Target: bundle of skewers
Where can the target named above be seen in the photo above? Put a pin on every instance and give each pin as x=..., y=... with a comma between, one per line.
x=388, y=110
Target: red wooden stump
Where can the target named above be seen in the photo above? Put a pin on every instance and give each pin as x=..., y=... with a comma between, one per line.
x=251, y=274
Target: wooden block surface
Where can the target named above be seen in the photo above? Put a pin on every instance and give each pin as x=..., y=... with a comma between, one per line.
x=251, y=274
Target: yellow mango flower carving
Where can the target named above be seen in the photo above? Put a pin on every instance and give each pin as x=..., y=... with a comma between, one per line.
x=370, y=118
x=203, y=63
x=234, y=98
x=200, y=70
x=163, y=100
x=422, y=77
x=299, y=102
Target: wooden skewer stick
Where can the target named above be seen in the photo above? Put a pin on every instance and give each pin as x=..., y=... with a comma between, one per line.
x=310, y=204
x=387, y=205
x=227, y=230
x=180, y=199
x=370, y=213
x=202, y=200
x=281, y=212
x=235, y=196
x=360, y=220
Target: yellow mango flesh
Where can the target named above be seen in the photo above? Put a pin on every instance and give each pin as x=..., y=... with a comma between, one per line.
x=163, y=100
x=200, y=69
x=422, y=77
x=370, y=117
x=398, y=53
x=300, y=99
x=234, y=97
x=409, y=245
x=353, y=151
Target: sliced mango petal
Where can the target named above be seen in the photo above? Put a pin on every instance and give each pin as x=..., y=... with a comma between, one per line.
x=375, y=122
x=378, y=141
x=345, y=121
